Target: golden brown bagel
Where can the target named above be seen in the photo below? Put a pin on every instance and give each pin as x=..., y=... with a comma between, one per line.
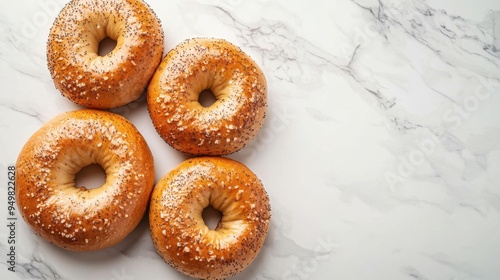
x=177, y=227
x=233, y=77
x=118, y=77
x=73, y=217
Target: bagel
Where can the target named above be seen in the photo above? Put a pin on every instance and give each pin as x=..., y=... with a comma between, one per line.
x=117, y=78
x=235, y=80
x=179, y=232
x=74, y=217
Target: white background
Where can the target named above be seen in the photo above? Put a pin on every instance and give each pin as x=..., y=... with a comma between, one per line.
x=380, y=151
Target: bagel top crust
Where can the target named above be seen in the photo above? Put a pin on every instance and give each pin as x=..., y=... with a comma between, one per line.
x=74, y=217
x=117, y=78
x=236, y=81
x=179, y=232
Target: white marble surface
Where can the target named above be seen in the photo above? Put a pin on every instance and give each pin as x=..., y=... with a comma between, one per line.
x=380, y=153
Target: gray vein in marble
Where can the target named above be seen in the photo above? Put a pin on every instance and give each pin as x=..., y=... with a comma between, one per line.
x=472, y=207
x=462, y=268
x=493, y=199
x=36, y=268
x=395, y=17
x=253, y=36
x=384, y=102
x=465, y=51
x=352, y=57
x=413, y=273
x=428, y=12
x=419, y=201
x=419, y=13
x=404, y=125
x=463, y=197
x=495, y=47
x=387, y=22
x=451, y=142
x=20, y=55
x=23, y=111
x=32, y=267
x=293, y=52
x=442, y=94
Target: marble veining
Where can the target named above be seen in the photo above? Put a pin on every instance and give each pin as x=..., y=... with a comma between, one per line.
x=380, y=151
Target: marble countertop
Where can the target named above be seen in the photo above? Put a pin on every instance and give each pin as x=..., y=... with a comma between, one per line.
x=380, y=152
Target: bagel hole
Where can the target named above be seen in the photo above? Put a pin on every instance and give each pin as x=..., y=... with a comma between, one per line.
x=90, y=177
x=106, y=46
x=211, y=217
x=206, y=98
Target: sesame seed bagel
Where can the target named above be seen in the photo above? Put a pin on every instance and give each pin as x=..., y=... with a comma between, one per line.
x=235, y=80
x=179, y=232
x=117, y=78
x=74, y=217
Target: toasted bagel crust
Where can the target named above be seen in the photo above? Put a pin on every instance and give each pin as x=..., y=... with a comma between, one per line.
x=74, y=217
x=179, y=232
x=117, y=78
x=232, y=76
